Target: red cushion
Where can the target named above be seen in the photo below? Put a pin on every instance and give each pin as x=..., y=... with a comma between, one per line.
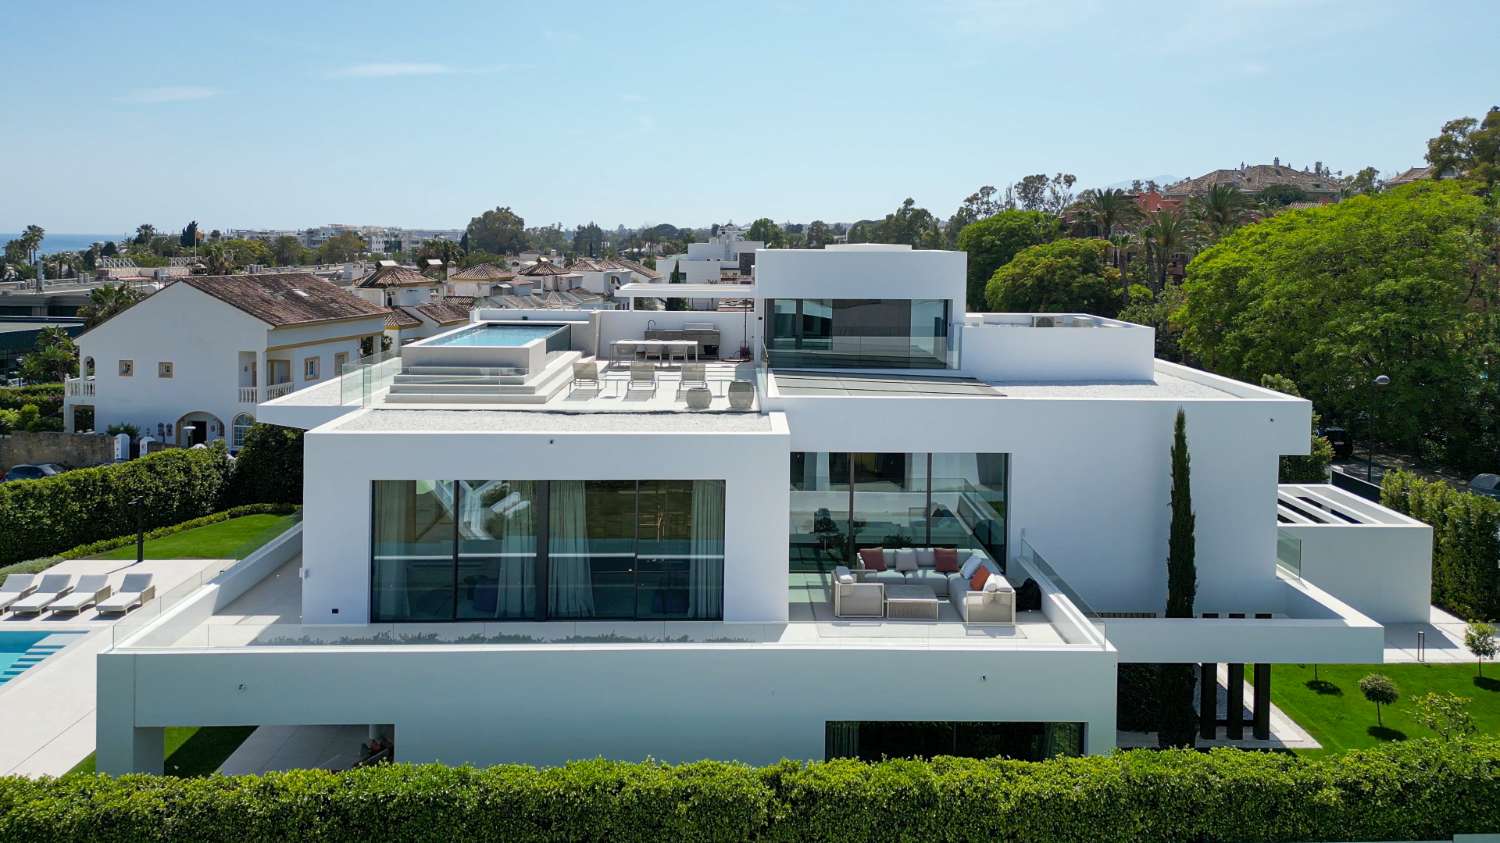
x=873, y=558
x=945, y=560
x=976, y=582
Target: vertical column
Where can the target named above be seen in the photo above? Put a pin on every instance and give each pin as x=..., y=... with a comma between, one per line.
x=1235, y=727
x=1260, y=725
x=1208, y=696
x=121, y=746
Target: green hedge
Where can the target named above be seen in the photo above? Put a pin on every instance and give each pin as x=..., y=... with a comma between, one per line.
x=48, y=398
x=1415, y=790
x=1466, y=548
x=42, y=517
x=268, y=468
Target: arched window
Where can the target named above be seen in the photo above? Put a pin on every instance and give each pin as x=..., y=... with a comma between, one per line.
x=242, y=424
x=88, y=367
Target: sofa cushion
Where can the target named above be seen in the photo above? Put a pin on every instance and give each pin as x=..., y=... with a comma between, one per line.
x=945, y=560
x=971, y=565
x=906, y=559
x=995, y=584
x=924, y=557
x=872, y=558
x=930, y=578
x=976, y=582
x=887, y=577
x=843, y=575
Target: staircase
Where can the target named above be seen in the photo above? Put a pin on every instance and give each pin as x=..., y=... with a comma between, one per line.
x=33, y=656
x=476, y=385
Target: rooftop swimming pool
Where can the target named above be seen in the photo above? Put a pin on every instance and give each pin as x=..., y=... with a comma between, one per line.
x=22, y=650
x=496, y=336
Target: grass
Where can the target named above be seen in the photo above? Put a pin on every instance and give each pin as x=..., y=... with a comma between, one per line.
x=191, y=751
x=231, y=539
x=1333, y=711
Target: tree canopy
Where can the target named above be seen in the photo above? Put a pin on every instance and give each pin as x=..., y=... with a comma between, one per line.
x=1064, y=276
x=1466, y=147
x=993, y=241
x=1402, y=284
x=501, y=231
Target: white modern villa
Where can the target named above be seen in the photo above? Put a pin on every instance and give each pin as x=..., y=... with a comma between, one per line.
x=854, y=520
x=190, y=363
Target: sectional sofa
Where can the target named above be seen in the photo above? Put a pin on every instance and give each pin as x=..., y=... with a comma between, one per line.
x=947, y=572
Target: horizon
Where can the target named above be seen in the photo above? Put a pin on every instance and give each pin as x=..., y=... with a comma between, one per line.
x=690, y=115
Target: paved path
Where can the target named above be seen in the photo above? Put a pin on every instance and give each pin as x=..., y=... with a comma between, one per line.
x=296, y=748
x=1442, y=640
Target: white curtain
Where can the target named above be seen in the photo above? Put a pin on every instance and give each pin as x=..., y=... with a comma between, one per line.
x=570, y=588
x=706, y=546
x=395, y=511
x=518, y=550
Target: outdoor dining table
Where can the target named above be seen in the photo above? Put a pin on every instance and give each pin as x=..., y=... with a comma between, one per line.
x=664, y=348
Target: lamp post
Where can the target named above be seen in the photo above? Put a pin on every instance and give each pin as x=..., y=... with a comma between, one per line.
x=1379, y=381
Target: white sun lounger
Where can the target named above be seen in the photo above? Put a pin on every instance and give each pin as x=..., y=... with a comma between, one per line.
x=91, y=588
x=51, y=587
x=134, y=591
x=16, y=586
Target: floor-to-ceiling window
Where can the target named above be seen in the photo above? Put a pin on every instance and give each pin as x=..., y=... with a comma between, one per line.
x=531, y=549
x=841, y=502
x=859, y=333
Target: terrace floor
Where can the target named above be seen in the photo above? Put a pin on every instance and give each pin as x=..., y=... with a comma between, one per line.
x=270, y=614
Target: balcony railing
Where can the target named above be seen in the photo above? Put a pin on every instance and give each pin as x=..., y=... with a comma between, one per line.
x=276, y=390
x=80, y=387
x=249, y=395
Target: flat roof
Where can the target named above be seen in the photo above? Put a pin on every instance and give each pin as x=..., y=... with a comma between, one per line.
x=391, y=419
x=1162, y=385
x=798, y=382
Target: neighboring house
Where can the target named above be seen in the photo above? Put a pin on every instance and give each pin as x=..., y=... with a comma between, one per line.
x=1320, y=187
x=605, y=276
x=393, y=285
x=478, y=281
x=486, y=542
x=190, y=363
x=726, y=257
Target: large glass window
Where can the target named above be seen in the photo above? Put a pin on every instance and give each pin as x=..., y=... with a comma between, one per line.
x=477, y=550
x=874, y=740
x=859, y=333
x=841, y=502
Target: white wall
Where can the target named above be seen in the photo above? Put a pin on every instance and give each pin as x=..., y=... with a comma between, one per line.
x=862, y=272
x=1120, y=352
x=1383, y=570
x=1090, y=479
x=339, y=468
x=632, y=324
x=463, y=704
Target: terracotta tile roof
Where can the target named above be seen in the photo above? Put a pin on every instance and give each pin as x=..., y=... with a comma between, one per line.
x=1411, y=175
x=399, y=319
x=395, y=276
x=543, y=267
x=284, y=298
x=459, y=301
x=443, y=312
x=482, y=272
x=638, y=268
x=1255, y=178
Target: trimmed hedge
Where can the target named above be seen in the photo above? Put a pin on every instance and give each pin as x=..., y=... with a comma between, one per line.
x=1466, y=547
x=1420, y=789
x=268, y=467
x=48, y=398
x=42, y=517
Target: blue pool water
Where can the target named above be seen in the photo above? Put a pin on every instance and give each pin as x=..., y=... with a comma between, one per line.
x=497, y=335
x=22, y=650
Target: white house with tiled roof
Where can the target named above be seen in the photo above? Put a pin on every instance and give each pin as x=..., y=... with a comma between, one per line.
x=190, y=363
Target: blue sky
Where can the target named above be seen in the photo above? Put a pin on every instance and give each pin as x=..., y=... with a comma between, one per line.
x=424, y=114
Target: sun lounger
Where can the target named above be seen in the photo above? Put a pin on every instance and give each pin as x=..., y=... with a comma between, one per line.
x=91, y=588
x=51, y=587
x=16, y=587
x=134, y=591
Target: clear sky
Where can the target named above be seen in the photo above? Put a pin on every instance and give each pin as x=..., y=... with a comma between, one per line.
x=290, y=114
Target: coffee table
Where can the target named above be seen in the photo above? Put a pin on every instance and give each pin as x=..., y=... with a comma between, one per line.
x=910, y=602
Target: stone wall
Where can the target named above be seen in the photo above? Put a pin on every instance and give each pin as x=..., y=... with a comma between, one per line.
x=75, y=450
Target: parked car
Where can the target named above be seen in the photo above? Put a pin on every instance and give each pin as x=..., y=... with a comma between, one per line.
x=1486, y=484
x=1339, y=438
x=32, y=472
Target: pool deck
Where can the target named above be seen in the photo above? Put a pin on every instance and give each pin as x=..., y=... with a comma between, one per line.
x=49, y=709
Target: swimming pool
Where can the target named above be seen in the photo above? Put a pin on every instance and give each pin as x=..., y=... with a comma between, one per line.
x=497, y=336
x=22, y=650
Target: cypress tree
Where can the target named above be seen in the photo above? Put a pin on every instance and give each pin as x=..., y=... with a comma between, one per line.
x=1177, y=725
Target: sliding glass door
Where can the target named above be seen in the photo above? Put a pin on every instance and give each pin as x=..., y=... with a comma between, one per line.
x=532, y=549
x=859, y=333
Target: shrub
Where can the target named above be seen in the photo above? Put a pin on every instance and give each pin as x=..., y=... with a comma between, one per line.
x=9, y=421
x=48, y=397
x=1446, y=714
x=1415, y=790
x=1466, y=541
x=123, y=427
x=41, y=517
x=268, y=468
x=1379, y=689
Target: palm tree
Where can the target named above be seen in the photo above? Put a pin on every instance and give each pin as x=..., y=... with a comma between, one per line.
x=31, y=239
x=1164, y=235
x=143, y=234
x=1106, y=209
x=1221, y=210
x=106, y=300
x=217, y=260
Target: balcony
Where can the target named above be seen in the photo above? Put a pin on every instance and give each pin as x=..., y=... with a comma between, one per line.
x=80, y=387
x=255, y=394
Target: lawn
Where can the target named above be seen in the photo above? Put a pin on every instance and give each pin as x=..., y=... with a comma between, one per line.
x=232, y=539
x=191, y=751
x=1334, y=711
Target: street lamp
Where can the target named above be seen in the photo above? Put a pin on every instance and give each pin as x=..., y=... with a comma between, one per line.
x=1379, y=381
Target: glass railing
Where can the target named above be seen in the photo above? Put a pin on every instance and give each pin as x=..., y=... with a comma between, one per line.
x=1289, y=553
x=363, y=379
x=1036, y=562
x=866, y=352
x=762, y=377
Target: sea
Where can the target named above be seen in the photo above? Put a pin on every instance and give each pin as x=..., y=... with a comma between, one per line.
x=67, y=242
